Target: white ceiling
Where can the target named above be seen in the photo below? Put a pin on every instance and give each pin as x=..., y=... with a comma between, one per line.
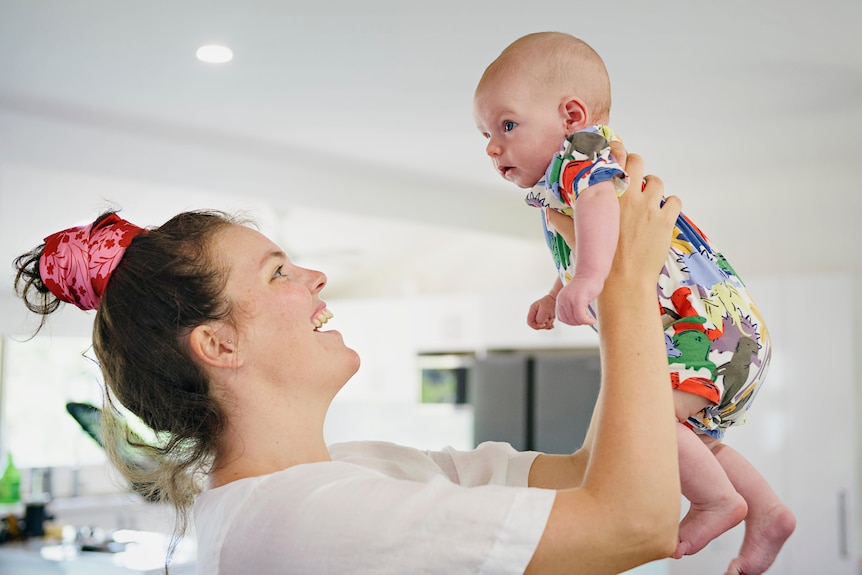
x=345, y=127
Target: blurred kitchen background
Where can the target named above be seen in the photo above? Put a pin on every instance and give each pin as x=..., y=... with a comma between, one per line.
x=344, y=129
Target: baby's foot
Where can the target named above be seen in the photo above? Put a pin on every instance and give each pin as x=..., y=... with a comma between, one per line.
x=703, y=523
x=764, y=535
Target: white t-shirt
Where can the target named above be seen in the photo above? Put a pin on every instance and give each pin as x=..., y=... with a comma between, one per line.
x=378, y=508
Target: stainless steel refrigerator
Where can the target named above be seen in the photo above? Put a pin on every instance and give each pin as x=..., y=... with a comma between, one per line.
x=538, y=400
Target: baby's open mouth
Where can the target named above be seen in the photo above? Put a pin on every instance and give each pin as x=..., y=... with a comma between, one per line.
x=321, y=318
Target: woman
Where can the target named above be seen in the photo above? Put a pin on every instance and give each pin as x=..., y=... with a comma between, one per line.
x=207, y=332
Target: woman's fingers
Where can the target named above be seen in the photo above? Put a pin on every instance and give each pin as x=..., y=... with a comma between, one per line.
x=635, y=170
x=671, y=207
x=618, y=151
x=646, y=224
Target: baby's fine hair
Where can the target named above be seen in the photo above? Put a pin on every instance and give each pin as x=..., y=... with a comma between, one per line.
x=559, y=62
x=168, y=282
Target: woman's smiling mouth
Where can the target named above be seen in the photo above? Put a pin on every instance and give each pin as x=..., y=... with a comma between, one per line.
x=321, y=318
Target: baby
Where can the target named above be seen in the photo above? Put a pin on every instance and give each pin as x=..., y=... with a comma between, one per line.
x=543, y=106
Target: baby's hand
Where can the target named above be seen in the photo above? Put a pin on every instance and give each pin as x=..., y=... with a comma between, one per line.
x=574, y=299
x=541, y=314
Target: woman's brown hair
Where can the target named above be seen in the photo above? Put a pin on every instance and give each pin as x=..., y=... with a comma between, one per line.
x=167, y=283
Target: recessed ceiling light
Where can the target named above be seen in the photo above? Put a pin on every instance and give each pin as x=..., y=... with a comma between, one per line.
x=214, y=54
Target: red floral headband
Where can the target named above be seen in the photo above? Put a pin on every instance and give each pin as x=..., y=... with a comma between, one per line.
x=77, y=263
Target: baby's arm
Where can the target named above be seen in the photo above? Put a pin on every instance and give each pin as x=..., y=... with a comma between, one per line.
x=541, y=314
x=597, y=227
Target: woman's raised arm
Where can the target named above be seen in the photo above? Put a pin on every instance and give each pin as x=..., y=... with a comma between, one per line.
x=625, y=509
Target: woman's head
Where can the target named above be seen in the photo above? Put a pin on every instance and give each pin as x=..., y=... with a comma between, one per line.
x=190, y=316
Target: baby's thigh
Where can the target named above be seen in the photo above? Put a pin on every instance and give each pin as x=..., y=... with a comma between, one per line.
x=687, y=404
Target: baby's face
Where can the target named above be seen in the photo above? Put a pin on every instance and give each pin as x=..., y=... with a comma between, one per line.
x=524, y=128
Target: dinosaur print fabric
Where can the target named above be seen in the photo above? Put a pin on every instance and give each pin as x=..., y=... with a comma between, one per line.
x=717, y=343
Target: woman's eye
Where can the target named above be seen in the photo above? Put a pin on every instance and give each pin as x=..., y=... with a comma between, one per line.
x=508, y=126
x=279, y=272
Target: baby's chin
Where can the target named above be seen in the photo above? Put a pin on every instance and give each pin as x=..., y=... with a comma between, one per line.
x=526, y=183
x=521, y=178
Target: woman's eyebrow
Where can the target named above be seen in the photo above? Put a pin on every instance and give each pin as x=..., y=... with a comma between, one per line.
x=275, y=254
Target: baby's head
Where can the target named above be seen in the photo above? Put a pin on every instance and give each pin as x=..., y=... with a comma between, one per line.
x=541, y=88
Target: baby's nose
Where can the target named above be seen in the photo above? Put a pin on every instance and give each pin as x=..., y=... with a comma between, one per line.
x=492, y=149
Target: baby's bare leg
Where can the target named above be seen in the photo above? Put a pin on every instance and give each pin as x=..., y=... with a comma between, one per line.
x=769, y=521
x=715, y=504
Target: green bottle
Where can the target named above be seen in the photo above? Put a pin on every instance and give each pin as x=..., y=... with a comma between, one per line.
x=10, y=483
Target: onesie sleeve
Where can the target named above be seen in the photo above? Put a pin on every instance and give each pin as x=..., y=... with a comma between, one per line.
x=338, y=517
x=587, y=161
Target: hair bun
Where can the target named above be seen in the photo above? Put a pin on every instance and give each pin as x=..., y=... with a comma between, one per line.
x=77, y=263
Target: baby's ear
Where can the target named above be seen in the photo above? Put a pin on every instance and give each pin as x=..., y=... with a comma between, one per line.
x=574, y=113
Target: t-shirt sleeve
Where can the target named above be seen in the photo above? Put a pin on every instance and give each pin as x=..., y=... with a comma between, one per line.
x=491, y=463
x=341, y=518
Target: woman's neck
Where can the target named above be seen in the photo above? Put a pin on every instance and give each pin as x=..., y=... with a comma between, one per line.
x=269, y=436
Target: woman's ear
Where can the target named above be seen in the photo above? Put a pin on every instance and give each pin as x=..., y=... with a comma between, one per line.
x=574, y=113
x=212, y=346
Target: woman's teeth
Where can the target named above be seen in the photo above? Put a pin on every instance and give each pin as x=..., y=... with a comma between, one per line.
x=321, y=318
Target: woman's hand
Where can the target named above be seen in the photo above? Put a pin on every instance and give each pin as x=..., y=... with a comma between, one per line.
x=618, y=151
x=646, y=225
x=625, y=470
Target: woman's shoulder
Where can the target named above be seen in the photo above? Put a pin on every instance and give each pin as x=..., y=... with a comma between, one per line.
x=350, y=460
x=389, y=459
x=384, y=449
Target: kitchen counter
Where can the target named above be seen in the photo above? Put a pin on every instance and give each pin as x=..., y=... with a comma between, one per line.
x=133, y=552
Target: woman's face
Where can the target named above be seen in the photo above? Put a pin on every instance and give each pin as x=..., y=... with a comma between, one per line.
x=277, y=310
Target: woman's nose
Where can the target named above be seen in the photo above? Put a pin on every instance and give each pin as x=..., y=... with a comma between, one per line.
x=316, y=280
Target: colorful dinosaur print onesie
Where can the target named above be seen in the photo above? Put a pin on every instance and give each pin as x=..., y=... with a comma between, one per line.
x=717, y=343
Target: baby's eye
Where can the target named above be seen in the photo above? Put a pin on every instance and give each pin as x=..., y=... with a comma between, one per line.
x=508, y=126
